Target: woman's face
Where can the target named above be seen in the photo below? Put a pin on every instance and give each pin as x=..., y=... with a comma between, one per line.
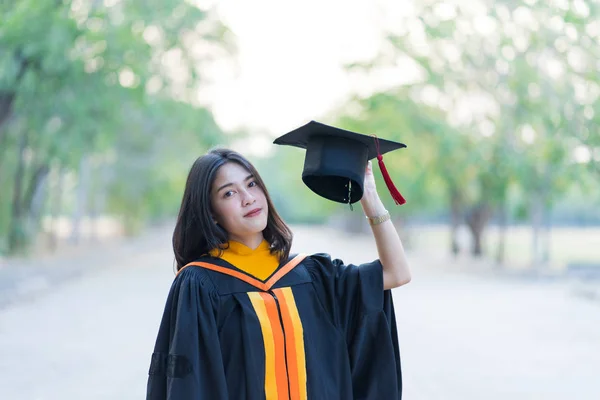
x=239, y=204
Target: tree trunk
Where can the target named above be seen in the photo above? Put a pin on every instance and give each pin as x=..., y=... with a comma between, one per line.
x=455, y=220
x=6, y=103
x=4, y=131
x=56, y=210
x=16, y=234
x=536, y=209
x=502, y=227
x=476, y=247
x=32, y=202
x=547, y=236
x=7, y=98
x=81, y=199
x=477, y=219
x=34, y=189
x=98, y=200
x=35, y=197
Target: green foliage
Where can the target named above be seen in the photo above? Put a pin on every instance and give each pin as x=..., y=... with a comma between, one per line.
x=532, y=89
x=294, y=201
x=113, y=83
x=503, y=115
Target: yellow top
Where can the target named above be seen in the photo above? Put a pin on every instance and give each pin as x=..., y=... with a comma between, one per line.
x=259, y=262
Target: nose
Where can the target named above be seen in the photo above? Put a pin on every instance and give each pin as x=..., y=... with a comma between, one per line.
x=247, y=198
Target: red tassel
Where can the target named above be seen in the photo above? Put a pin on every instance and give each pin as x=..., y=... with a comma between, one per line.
x=398, y=199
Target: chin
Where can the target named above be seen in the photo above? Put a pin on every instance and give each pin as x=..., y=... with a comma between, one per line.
x=257, y=226
x=263, y=225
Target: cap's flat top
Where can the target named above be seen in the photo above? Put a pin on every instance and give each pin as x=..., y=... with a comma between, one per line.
x=299, y=138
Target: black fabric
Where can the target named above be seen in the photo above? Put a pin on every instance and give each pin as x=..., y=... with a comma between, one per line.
x=210, y=346
x=365, y=312
x=187, y=330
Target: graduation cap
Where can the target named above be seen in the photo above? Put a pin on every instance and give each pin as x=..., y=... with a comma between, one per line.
x=336, y=159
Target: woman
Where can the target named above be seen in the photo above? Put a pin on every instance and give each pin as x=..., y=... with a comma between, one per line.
x=245, y=320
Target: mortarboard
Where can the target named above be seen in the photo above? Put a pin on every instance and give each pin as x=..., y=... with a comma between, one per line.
x=336, y=159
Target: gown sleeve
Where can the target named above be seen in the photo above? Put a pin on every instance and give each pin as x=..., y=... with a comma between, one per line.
x=186, y=362
x=361, y=308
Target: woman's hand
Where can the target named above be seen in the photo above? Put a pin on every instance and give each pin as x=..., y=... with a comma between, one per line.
x=369, y=183
x=370, y=202
x=389, y=247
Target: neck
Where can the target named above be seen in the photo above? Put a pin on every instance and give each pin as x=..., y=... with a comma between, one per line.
x=251, y=241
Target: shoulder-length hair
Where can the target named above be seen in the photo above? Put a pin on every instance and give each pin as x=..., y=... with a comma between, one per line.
x=196, y=234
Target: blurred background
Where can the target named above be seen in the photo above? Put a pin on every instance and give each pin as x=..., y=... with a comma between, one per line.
x=105, y=105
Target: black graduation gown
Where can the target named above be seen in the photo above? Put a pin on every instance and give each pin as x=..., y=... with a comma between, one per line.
x=315, y=329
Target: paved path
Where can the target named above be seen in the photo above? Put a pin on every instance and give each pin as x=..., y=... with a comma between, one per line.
x=462, y=337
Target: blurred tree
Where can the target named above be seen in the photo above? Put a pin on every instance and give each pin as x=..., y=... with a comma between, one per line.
x=420, y=171
x=79, y=79
x=513, y=88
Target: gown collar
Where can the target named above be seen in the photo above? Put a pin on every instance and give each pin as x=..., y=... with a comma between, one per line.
x=236, y=273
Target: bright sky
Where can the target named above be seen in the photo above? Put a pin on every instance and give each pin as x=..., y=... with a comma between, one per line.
x=290, y=60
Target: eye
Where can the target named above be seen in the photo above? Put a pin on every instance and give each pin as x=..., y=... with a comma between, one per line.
x=252, y=184
x=228, y=194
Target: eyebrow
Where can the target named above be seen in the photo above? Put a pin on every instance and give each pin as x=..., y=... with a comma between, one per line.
x=231, y=184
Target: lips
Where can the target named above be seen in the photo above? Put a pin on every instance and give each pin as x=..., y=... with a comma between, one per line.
x=253, y=213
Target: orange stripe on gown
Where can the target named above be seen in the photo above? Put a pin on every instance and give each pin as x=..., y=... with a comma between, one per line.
x=295, y=343
x=280, y=367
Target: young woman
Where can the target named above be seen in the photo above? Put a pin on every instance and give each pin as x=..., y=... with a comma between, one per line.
x=245, y=320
